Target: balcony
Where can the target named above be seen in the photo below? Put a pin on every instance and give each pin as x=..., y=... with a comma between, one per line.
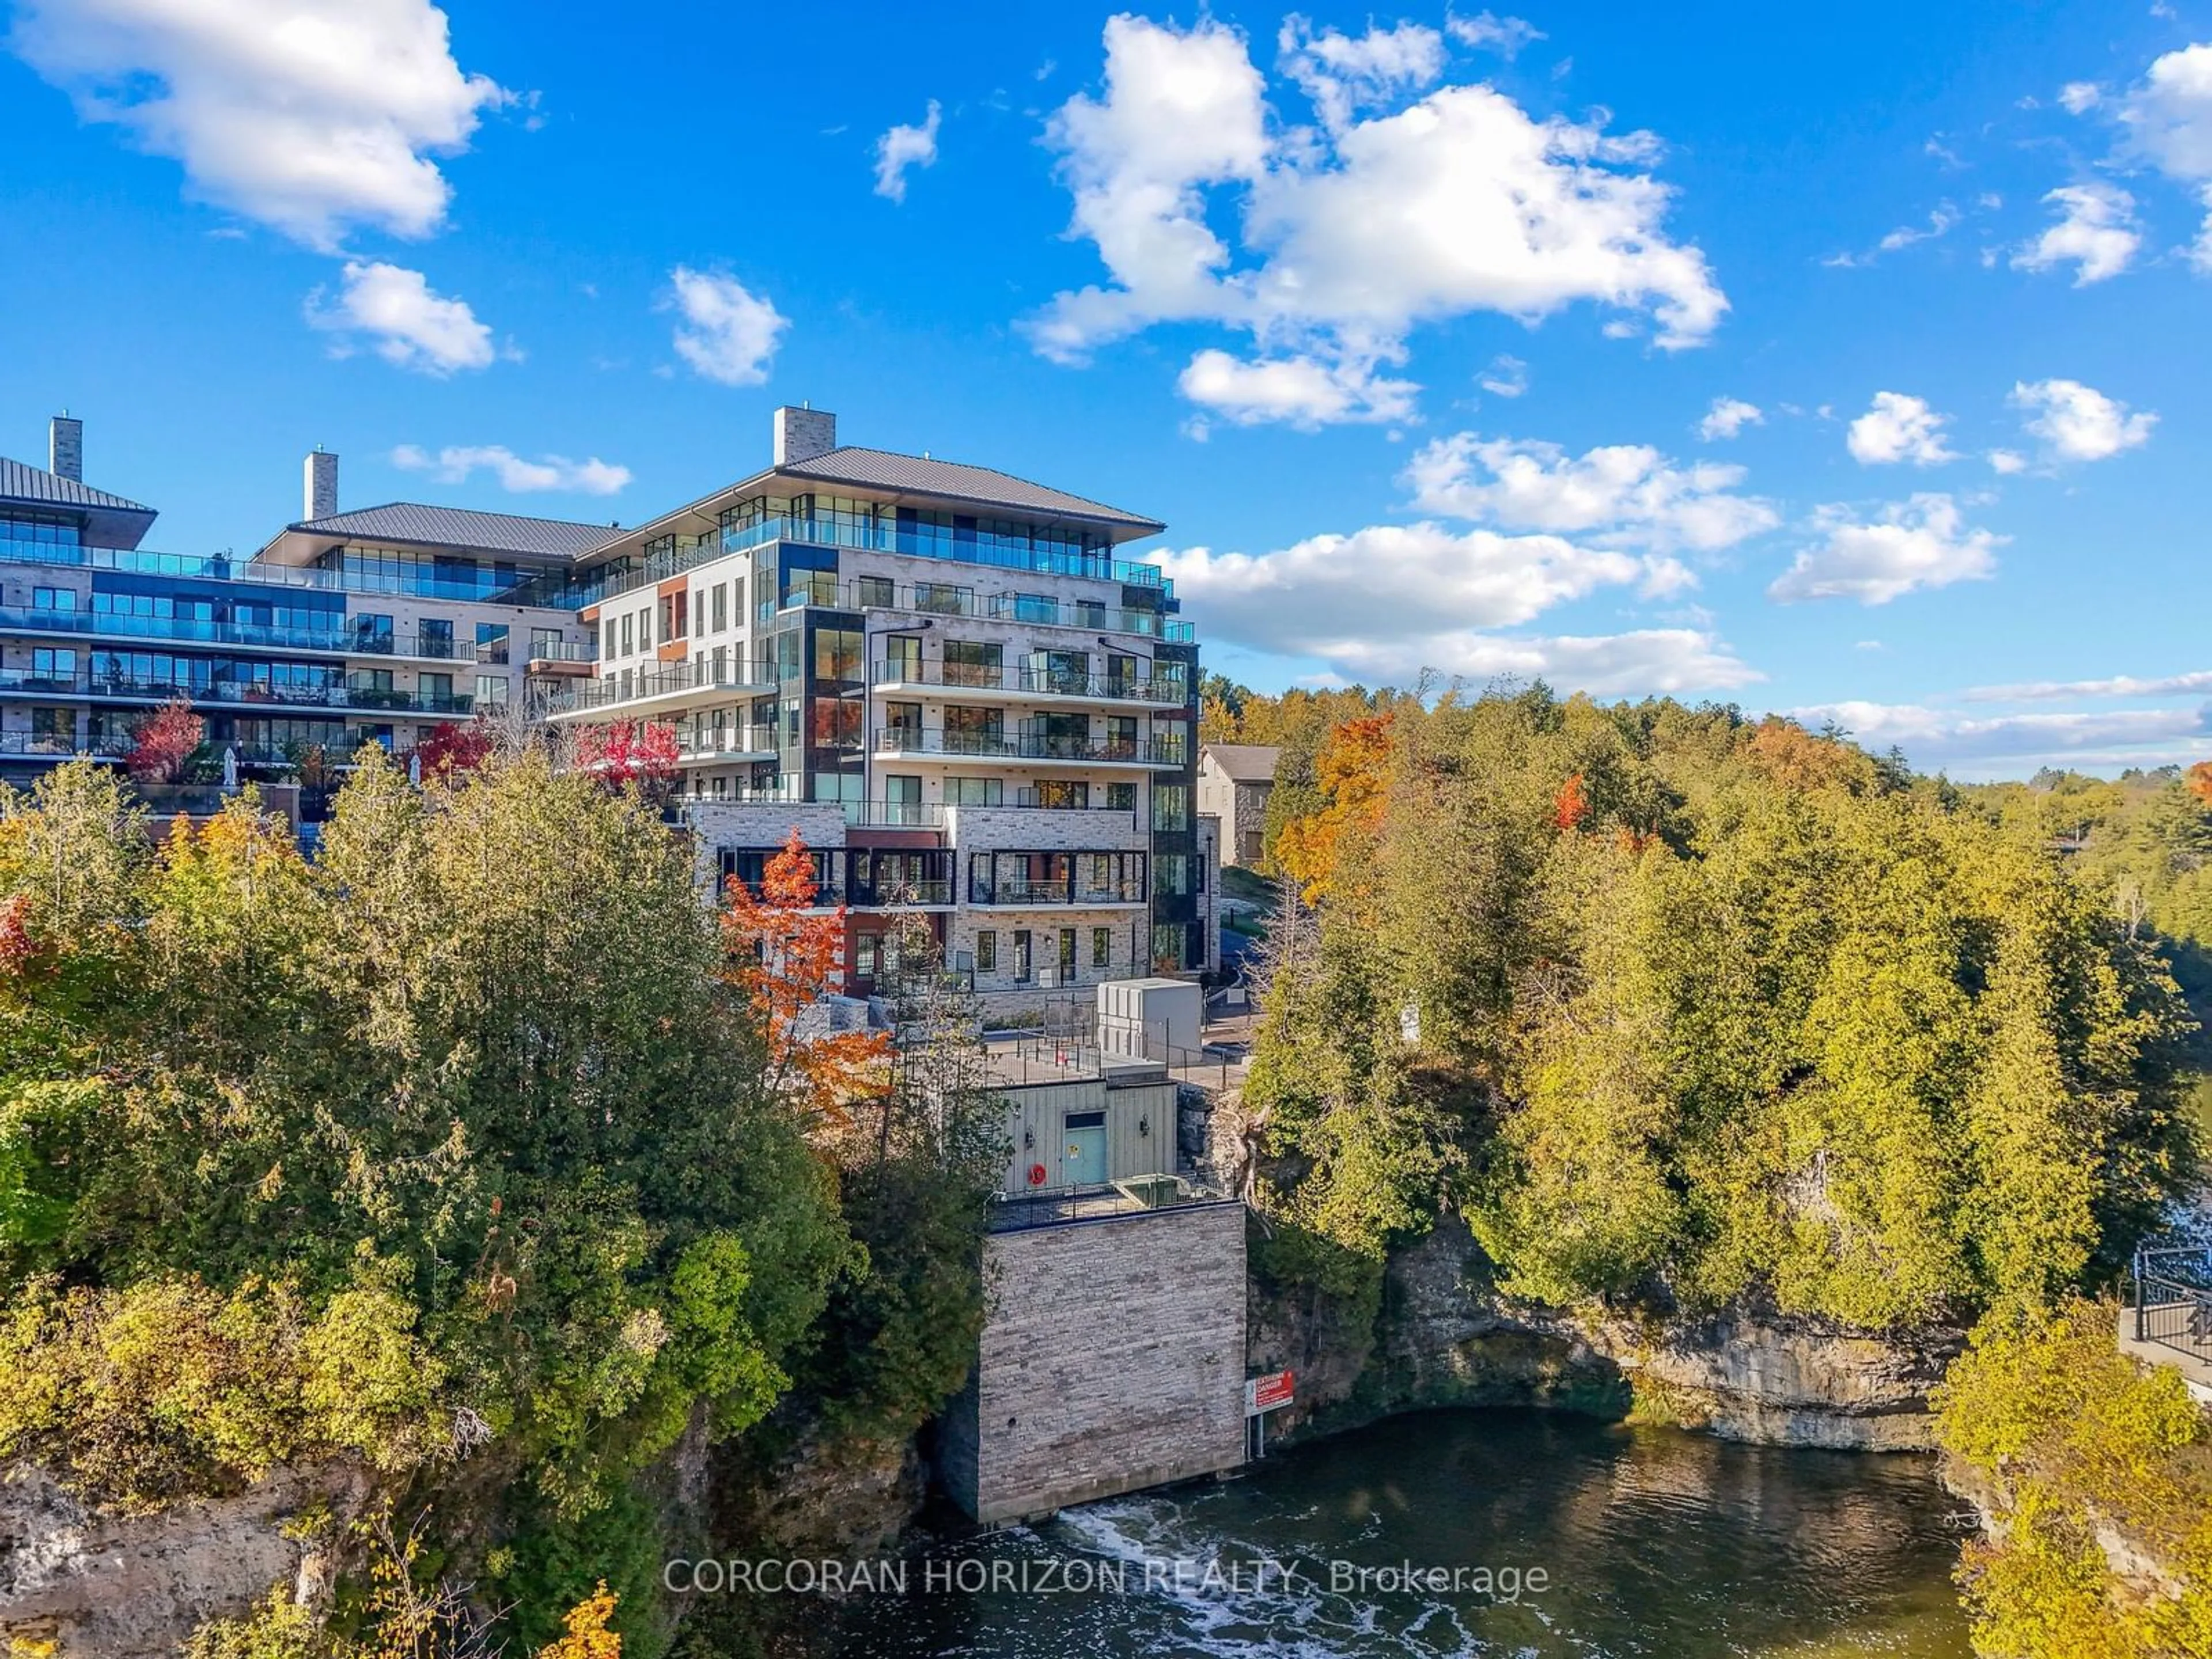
x=875, y=535
x=41, y=745
x=487, y=587
x=1016, y=893
x=675, y=690
x=926, y=894
x=727, y=747
x=893, y=814
x=995, y=749
x=1040, y=610
x=975, y=683
x=244, y=694
x=325, y=642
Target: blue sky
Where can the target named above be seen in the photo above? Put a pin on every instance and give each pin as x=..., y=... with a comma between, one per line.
x=1431, y=335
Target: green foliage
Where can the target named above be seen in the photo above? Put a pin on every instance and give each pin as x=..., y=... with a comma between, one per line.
x=166, y=1387
x=461, y=1116
x=1685, y=1011
x=2076, y=1445
x=557, y=1562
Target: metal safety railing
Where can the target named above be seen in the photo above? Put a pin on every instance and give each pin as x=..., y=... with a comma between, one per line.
x=2174, y=1299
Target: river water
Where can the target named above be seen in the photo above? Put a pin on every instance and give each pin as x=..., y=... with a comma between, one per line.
x=1649, y=1542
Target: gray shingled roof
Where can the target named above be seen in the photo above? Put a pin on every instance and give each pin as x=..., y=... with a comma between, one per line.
x=879, y=469
x=1245, y=762
x=414, y=523
x=20, y=482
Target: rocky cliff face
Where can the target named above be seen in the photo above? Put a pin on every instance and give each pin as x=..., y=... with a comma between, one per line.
x=95, y=1581
x=1444, y=1336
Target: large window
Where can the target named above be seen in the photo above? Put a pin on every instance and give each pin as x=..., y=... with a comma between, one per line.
x=435, y=636
x=491, y=642
x=491, y=691
x=975, y=792
x=970, y=662
x=987, y=951
x=1170, y=806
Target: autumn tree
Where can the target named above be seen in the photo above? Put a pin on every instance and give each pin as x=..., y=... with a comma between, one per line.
x=625, y=752
x=163, y=741
x=787, y=954
x=456, y=746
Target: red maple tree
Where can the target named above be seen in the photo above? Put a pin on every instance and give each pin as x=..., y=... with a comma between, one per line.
x=2198, y=781
x=1571, y=806
x=455, y=746
x=787, y=953
x=642, y=752
x=162, y=742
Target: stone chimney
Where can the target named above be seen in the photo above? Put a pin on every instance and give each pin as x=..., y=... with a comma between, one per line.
x=322, y=492
x=803, y=434
x=65, y=448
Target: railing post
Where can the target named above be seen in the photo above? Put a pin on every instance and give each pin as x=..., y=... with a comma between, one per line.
x=2141, y=1324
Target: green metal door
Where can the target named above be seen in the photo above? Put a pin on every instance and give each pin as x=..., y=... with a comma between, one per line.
x=1083, y=1163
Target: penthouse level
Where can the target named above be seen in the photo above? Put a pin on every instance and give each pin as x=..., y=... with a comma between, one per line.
x=378, y=625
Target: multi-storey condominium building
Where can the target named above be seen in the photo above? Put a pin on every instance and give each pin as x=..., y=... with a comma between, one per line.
x=947, y=679
x=347, y=627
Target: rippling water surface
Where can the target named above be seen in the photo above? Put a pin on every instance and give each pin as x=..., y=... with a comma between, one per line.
x=1651, y=1542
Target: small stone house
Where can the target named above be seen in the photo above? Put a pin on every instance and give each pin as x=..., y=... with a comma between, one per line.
x=1234, y=780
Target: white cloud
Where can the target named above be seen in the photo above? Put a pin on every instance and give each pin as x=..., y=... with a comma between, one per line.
x=1899, y=429
x=1943, y=219
x=1621, y=495
x=1343, y=73
x=1389, y=600
x=2077, y=97
x=1922, y=542
x=2012, y=744
x=2169, y=116
x=311, y=116
x=1487, y=32
x=2080, y=423
x=412, y=326
x=455, y=462
x=2119, y=685
x=2007, y=462
x=2169, y=120
x=729, y=334
x=1352, y=235
x=1506, y=377
x=1650, y=661
x=1303, y=391
x=2096, y=230
x=1727, y=417
x=905, y=146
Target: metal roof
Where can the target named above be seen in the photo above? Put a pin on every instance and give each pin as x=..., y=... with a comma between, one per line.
x=110, y=520
x=418, y=524
x=20, y=482
x=1244, y=763
x=879, y=469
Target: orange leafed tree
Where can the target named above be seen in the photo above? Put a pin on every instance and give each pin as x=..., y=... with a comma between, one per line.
x=1353, y=772
x=1572, y=806
x=585, y=1625
x=2198, y=781
x=786, y=955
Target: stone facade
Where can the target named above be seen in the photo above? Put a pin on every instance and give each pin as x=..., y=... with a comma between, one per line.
x=1234, y=783
x=1113, y=1360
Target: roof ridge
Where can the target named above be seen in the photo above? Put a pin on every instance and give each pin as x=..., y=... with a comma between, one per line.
x=440, y=507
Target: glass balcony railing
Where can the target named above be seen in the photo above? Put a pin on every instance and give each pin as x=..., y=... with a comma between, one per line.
x=79, y=624
x=1025, y=681
x=708, y=744
x=737, y=679
x=1005, y=553
x=1048, y=613
x=994, y=746
x=257, y=693
x=485, y=587
x=56, y=746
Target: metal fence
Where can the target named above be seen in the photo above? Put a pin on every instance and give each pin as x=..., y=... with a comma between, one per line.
x=2174, y=1300
x=1056, y=1205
